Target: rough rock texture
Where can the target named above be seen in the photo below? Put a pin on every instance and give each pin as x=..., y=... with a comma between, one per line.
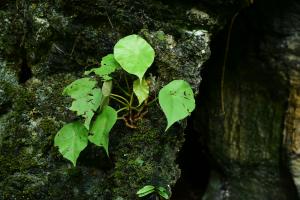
x=261, y=96
x=253, y=146
x=291, y=58
x=45, y=45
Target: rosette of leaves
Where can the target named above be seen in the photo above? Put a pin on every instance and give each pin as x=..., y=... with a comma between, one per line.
x=134, y=55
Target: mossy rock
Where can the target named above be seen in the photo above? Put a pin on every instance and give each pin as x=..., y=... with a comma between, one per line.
x=56, y=41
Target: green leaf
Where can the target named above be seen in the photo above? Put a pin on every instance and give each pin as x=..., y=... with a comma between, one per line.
x=106, y=91
x=108, y=66
x=87, y=105
x=110, y=60
x=141, y=90
x=106, y=88
x=163, y=192
x=134, y=54
x=102, y=126
x=80, y=88
x=88, y=116
x=89, y=102
x=148, y=189
x=177, y=101
x=71, y=139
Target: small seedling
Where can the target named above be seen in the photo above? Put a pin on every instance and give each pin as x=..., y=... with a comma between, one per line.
x=160, y=192
x=91, y=102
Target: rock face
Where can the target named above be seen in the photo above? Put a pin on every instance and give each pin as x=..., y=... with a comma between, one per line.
x=291, y=58
x=253, y=146
x=261, y=99
x=45, y=45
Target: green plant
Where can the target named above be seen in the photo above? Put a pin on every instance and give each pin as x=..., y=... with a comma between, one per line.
x=150, y=189
x=134, y=55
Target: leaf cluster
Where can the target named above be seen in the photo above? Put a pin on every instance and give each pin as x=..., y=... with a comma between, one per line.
x=91, y=102
x=150, y=189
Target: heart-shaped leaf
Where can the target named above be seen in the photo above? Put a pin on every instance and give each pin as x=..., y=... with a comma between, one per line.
x=102, y=126
x=71, y=139
x=80, y=88
x=108, y=66
x=141, y=90
x=87, y=105
x=134, y=54
x=89, y=102
x=176, y=100
x=110, y=60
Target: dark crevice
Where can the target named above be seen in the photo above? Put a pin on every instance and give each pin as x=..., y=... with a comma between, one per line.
x=195, y=161
x=4, y=4
x=195, y=168
x=194, y=158
x=287, y=180
x=5, y=108
x=25, y=71
x=93, y=157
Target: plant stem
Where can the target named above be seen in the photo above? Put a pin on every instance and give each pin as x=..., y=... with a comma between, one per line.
x=152, y=101
x=130, y=107
x=120, y=97
x=119, y=86
x=121, y=109
x=131, y=99
x=118, y=100
x=128, y=88
x=135, y=108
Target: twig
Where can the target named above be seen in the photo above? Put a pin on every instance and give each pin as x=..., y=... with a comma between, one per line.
x=225, y=60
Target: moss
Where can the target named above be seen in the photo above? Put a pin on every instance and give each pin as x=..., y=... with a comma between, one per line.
x=6, y=94
x=15, y=163
x=179, y=57
x=27, y=185
x=145, y=156
x=11, y=32
x=57, y=44
x=17, y=152
x=24, y=100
